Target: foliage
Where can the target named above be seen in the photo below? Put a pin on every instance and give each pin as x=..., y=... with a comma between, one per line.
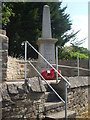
x=25, y=23
x=7, y=12
x=81, y=55
x=71, y=52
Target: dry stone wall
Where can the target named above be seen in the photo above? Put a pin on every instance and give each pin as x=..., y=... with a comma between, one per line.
x=21, y=101
x=16, y=69
x=74, y=72
x=78, y=94
x=26, y=100
x=78, y=99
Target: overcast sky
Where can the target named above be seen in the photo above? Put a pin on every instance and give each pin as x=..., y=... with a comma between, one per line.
x=78, y=10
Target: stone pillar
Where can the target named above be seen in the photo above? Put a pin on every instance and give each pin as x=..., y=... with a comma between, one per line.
x=3, y=55
x=46, y=44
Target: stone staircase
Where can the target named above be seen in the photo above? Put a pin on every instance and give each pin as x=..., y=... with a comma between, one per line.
x=54, y=108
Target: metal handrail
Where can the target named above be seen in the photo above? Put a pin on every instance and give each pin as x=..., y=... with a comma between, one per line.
x=66, y=82
x=49, y=64
x=46, y=82
x=71, y=67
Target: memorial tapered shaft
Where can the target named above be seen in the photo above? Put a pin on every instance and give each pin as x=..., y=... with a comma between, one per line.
x=46, y=24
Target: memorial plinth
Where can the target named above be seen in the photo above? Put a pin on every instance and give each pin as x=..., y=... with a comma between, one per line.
x=46, y=43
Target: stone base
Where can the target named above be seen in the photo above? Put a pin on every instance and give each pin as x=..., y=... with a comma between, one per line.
x=47, y=50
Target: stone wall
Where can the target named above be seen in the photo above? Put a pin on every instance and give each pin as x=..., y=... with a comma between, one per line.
x=74, y=72
x=16, y=69
x=3, y=56
x=78, y=94
x=26, y=100
x=21, y=101
x=3, y=62
x=78, y=100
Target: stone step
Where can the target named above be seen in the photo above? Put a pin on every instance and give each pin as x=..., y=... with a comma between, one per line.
x=50, y=82
x=52, y=107
x=51, y=97
x=22, y=81
x=61, y=115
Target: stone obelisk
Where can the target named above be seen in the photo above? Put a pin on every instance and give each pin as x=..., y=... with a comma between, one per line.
x=46, y=44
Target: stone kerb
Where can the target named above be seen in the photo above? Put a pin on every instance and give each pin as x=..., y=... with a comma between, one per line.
x=3, y=55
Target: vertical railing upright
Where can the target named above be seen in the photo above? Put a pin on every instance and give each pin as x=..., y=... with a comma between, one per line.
x=57, y=63
x=65, y=82
x=65, y=101
x=25, y=60
x=78, y=63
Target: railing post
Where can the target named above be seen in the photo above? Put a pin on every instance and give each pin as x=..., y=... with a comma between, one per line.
x=25, y=60
x=57, y=63
x=78, y=63
x=65, y=101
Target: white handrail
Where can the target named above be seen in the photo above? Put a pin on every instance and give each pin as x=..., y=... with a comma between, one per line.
x=49, y=64
x=66, y=82
x=46, y=82
x=72, y=67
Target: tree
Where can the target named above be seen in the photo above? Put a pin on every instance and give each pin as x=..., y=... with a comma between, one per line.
x=7, y=12
x=26, y=24
x=70, y=52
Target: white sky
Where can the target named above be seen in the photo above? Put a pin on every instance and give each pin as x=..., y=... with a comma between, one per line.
x=78, y=10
